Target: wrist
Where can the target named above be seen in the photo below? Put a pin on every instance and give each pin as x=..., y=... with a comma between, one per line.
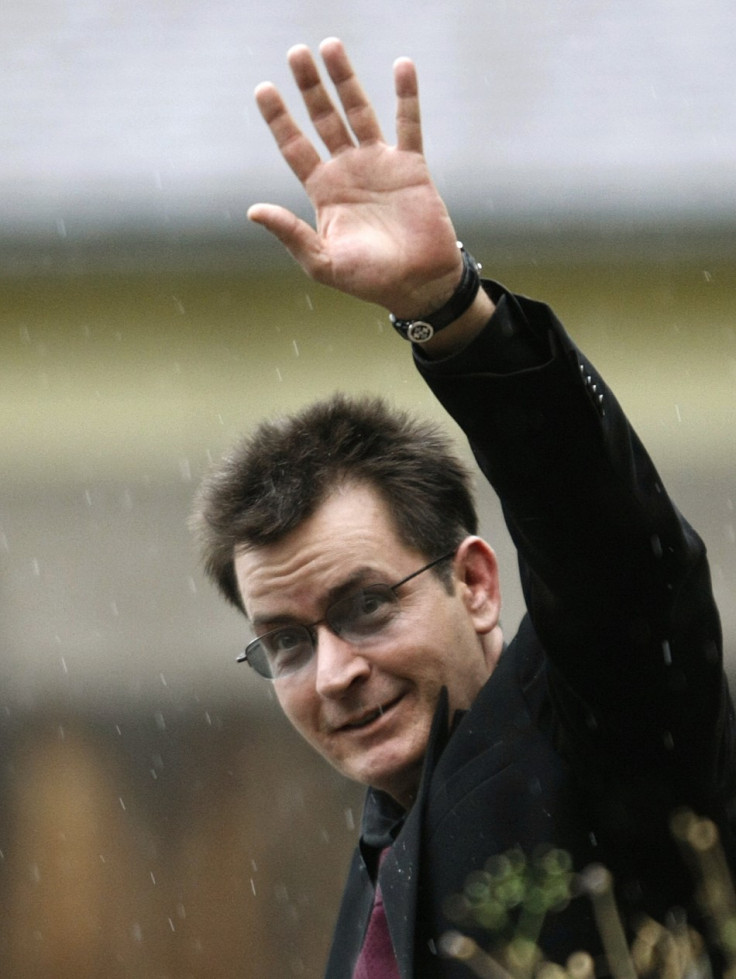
x=460, y=333
x=421, y=329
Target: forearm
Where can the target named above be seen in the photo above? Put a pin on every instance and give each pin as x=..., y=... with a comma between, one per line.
x=607, y=559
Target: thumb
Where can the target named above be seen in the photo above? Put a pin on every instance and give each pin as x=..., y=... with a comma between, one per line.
x=298, y=237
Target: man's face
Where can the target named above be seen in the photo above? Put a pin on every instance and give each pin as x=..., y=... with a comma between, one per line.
x=368, y=709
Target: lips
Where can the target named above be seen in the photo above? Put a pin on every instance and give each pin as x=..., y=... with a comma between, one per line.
x=369, y=716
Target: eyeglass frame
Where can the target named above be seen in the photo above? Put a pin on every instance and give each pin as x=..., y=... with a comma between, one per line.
x=310, y=628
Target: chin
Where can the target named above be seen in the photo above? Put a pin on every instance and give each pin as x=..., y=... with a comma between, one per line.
x=398, y=780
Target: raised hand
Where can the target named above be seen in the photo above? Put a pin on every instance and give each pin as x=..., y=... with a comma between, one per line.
x=382, y=233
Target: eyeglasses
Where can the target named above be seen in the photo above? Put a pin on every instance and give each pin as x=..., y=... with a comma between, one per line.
x=359, y=618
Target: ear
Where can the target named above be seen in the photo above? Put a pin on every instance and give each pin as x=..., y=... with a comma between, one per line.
x=476, y=571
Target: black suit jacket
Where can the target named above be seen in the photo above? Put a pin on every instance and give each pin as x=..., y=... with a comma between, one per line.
x=608, y=710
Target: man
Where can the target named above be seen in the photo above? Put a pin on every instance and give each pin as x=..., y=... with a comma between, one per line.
x=347, y=536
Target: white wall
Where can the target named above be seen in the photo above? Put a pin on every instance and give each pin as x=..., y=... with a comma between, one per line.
x=124, y=111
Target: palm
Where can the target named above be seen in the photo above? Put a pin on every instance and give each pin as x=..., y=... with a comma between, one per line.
x=377, y=215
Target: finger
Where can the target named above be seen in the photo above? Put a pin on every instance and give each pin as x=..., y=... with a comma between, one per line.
x=358, y=109
x=322, y=111
x=295, y=148
x=298, y=237
x=408, y=117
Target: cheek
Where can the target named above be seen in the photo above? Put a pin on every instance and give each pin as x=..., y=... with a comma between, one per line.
x=457, y=658
x=297, y=706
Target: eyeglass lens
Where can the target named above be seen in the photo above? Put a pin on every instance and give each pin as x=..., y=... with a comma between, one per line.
x=357, y=617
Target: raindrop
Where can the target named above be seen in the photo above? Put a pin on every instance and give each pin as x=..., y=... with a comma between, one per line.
x=295, y=345
x=160, y=721
x=667, y=652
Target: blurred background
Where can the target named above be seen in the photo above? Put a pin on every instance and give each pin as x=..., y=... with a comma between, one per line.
x=157, y=817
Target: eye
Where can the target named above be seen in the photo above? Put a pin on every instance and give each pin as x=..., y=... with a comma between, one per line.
x=287, y=649
x=365, y=612
x=371, y=601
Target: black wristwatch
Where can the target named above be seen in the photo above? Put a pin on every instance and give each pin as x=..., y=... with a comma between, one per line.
x=424, y=328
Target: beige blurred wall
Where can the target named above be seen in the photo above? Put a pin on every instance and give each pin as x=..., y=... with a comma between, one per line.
x=117, y=389
x=158, y=818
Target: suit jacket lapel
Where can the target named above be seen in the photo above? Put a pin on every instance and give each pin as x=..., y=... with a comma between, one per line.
x=399, y=872
x=486, y=729
x=479, y=730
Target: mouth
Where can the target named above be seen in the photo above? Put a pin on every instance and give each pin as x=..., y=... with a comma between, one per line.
x=370, y=717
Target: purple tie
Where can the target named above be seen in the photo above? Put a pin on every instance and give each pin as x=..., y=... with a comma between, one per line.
x=377, y=959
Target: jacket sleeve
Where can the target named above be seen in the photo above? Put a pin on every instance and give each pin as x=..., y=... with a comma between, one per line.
x=616, y=582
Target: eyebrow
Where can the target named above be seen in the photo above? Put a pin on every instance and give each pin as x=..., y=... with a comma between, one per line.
x=358, y=579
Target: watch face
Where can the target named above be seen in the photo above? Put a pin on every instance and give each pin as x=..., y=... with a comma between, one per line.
x=420, y=332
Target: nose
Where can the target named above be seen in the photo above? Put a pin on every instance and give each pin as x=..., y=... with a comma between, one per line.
x=339, y=664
